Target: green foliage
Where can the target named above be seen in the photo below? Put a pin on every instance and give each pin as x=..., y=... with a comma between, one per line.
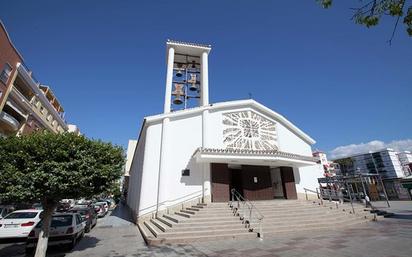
x=325, y=3
x=49, y=167
x=370, y=12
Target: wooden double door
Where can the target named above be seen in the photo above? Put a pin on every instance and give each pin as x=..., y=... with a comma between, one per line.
x=252, y=182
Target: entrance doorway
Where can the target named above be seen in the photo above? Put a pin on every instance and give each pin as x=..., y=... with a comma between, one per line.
x=252, y=182
x=236, y=180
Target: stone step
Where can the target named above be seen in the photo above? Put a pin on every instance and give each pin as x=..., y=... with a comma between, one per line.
x=159, y=225
x=189, y=211
x=206, y=226
x=166, y=221
x=331, y=223
x=146, y=233
x=173, y=217
x=291, y=208
x=211, y=219
x=207, y=223
x=331, y=226
x=308, y=209
x=183, y=214
x=304, y=217
x=300, y=213
x=194, y=209
x=203, y=238
x=203, y=232
x=152, y=228
x=212, y=211
x=308, y=221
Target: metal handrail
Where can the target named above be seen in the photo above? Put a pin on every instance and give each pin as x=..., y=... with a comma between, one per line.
x=320, y=192
x=246, y=210
x=312, y=191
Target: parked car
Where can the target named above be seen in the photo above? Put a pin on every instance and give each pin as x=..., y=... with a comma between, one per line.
x=63, y=207
x=88, y=214
x=5, y=209
x=99, y=209
x=110, y=202
x=65, y=228
x=18, y=224
x=83, y=202
x=106, y=206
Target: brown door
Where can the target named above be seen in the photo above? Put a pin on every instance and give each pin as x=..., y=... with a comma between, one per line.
x=220, y=182
x=256, y=182
x=288, y=181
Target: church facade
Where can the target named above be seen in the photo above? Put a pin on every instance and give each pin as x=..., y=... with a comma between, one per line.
x=202, y=151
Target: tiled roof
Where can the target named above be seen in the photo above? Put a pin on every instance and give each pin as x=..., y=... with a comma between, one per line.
x=187, y=43
x=273, y=153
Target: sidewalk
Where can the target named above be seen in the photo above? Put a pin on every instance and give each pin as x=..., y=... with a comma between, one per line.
x=399, y=208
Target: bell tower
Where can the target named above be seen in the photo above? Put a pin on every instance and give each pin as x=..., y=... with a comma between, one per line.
x=187, y=79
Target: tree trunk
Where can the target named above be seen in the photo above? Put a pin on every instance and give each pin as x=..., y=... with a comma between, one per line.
x=48, y=209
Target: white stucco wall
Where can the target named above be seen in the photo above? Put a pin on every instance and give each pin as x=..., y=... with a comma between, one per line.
x=185, y=137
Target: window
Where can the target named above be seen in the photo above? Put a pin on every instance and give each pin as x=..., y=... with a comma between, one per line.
x=5, y=73
x=22, y=215
x=78, y=219
x=186, y=172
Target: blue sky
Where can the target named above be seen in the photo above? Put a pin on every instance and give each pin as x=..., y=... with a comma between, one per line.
x=105, y=60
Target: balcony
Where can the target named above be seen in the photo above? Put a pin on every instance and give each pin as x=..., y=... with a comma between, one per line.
x=8, y=124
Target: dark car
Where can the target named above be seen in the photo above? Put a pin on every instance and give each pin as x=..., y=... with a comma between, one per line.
x=88, y=214
x=63, y=207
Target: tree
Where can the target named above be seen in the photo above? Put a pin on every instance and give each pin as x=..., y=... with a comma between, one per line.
x=370, y=13
x=48, y=167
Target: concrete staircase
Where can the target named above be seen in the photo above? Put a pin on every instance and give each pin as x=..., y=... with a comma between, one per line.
x=217, y=221
x=200, y=222
x=296, y=215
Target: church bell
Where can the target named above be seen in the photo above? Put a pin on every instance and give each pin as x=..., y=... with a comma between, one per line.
x=193, y=82
x=178, y=93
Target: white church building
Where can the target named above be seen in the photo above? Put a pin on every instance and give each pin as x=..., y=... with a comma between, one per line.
x=196, y=151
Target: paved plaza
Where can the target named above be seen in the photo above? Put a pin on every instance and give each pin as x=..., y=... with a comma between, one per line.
x=115, y=236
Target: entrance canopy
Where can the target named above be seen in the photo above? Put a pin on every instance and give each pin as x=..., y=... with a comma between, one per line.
x=252, y=157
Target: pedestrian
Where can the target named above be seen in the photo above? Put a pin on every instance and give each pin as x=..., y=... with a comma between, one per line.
x=340, y=195
x=367, y=201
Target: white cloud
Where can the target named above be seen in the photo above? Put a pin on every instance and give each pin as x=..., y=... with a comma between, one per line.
x=375, y=145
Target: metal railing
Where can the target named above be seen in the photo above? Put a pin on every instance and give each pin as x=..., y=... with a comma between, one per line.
x=247, y=212
x=331, y=195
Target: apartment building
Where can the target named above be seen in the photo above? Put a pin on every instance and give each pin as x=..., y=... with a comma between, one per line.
x=26, y=105
x=384, y=162
x=405, y=157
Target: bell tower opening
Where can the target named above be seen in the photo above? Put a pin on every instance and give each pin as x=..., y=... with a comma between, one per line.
x=187, y=81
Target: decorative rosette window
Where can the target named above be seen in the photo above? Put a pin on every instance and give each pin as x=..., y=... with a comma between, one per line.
x=249, y=130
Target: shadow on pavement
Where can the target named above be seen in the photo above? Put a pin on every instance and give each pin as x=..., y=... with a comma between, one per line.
x=171, y=250
x=401, y=216
x=122, y=212
x=61, y=250
x=13, y=250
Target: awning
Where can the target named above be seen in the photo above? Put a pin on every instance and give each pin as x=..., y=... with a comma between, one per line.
x=253, y=157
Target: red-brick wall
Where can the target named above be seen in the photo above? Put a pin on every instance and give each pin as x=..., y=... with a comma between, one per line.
x=7, y=55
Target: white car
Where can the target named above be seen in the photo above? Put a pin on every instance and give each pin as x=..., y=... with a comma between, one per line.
x=65, y=228
x=18, y=224
x=106, y=206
